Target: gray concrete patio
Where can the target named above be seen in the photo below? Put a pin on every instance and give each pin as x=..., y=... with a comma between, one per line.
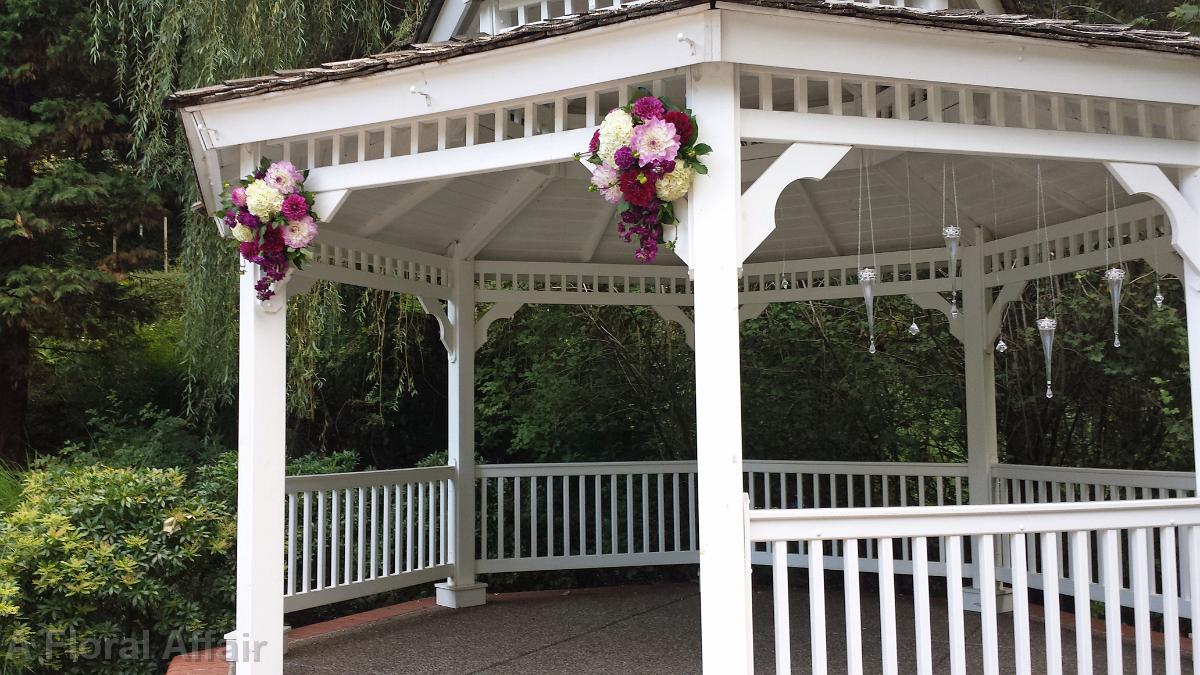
x=643, y=629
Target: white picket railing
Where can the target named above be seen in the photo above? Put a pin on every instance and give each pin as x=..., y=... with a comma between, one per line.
x=1125, y=554
x=354, y=534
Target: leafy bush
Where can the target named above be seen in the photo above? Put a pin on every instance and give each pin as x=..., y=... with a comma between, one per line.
x=107, y=570
x=151, y=437
x=10, y=486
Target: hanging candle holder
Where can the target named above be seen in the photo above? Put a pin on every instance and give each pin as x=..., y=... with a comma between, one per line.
x=952, y=234
x=1046, y=327
x=1114, y=276
x=866, y=279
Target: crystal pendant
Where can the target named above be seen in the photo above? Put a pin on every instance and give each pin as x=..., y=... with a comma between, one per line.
x=1114, y=276
x=1001, y=346
x=953, y=306
x=913, y=329
x=866, y=278
x=1046, y=327
x=1158, y=297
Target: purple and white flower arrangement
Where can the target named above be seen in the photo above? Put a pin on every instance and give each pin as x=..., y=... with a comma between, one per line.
x=646, y=155
x=272, y=218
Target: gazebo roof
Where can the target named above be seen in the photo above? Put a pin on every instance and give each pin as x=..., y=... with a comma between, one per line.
x=416, y=54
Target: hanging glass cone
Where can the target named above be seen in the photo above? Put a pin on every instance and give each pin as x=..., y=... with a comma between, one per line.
x=866, y=278
x=1001, y=346
x=1114, y=276
x=952, y=235
x=1046, y=327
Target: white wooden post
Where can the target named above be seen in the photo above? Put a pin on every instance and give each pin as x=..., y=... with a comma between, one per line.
x=980, y=378
x=257, y=644
x=713, y=220
x=1189, y=187
x=461, y=590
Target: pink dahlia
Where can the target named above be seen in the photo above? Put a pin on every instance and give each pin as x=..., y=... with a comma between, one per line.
x=238, y=196
x=284, y=177
x=299, y=233
x=605, y=180
x=295, y=206
x=648, y=107
x=656, y=139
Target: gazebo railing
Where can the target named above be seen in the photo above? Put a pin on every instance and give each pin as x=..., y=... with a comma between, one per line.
x=1125, y=554
x=354, y=534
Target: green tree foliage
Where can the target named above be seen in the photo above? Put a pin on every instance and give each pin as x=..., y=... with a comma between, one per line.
x=1161, y=14
x=66, y=191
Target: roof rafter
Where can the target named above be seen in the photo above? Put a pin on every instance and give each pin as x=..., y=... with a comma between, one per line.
x=419, y=194
x=523, y=189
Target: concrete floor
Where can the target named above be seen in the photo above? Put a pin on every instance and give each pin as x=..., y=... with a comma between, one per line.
x=645, y=629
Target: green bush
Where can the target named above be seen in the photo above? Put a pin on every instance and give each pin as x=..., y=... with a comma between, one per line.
x=107, y=570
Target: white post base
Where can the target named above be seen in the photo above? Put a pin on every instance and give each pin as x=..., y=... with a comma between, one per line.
x=239, y=648
x=973, y=600
x=458, y=597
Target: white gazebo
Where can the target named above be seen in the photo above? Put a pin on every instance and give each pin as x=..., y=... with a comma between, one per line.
x=446, y=170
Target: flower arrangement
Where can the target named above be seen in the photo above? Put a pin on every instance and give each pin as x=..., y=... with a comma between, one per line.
x=272, y=218
x=646, y=156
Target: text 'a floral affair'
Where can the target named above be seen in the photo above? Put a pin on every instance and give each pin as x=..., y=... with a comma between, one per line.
x=272, y=218
x=646, y=155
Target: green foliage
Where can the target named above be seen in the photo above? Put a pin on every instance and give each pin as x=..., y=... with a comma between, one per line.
x=149, y=437
x=10, y=487
x=94, y=556
x=1160, y=14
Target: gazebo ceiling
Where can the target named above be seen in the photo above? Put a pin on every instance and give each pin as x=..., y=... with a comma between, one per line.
x=547, y=214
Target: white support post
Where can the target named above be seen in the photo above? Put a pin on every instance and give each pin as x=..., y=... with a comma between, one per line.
x=461, y=590
x=257, y=643
x=1189, y=187
x=980, y=400
x=713, y=220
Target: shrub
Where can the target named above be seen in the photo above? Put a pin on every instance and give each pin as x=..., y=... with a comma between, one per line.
x=106, y=570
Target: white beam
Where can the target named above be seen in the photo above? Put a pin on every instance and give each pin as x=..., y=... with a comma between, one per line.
x=725, y=618
x=798, y=162
x=327, y=204
x=600, y=224
x=965, y=139
x=479, y=81
x=1189, y=193
x=980, y=378
x=786, y=39
x=751, y=310
x=523, y=189
x=486, y=158
x=407, y=202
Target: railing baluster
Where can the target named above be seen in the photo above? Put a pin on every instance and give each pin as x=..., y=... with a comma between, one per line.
x=887, y=606
x=387, y=529
x=533, y=517
x=783, y=631
x=924, y=633
x=374, y=532
x=321, y=551
x=1170, y=592
x=1020, y=592
x=629, y=513
x=1142, y=587
x=646, y=512
x=421, y=525
x=954, y=605
x=291, y=545
x=484, y=516
x=816, y=604
x=1081, y=578
x=347, y=548
x=613, y=516
x=692, y=543
x=854, y=663
x=659, y=499
x=566, y=506
x=675, y=509
x=334, y=527
x=1051, y=554
x=306, y=548
x=1110, y=576
x=986, y=565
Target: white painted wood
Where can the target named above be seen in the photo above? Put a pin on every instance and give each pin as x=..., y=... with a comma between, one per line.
x=1110, y=576
x=783, y=630
x=954, y=605
x=1051, y=554
x=816, y=605
x=1170, y=592
x=714, y=206
x=410, y=200
x=980, y=374
x=799, y=161
x=1020, y=594
x=785, y=127
x=923, y=631
x=1140, y=584
x=1182, y=210
x=854, y=656
x=887, y=607
x=1081, y=579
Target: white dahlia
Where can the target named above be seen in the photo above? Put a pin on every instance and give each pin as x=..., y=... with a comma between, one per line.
x=615, y=131
x=674, y=185
x=263, y=200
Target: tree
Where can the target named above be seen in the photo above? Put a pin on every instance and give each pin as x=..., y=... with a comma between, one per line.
x=65, y=192
x=1160, y=14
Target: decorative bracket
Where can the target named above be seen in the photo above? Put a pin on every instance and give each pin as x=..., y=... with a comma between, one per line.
x=1149, y=180
x=433, y=307
x=799, y=161
x=995, y=315
x=751, y=310
x=498, y=311
x=673, y=313
x=327, y=204
x=936, y=302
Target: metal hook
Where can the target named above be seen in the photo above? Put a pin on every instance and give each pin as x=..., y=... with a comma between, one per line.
x=691, y=43
x=428, y=99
